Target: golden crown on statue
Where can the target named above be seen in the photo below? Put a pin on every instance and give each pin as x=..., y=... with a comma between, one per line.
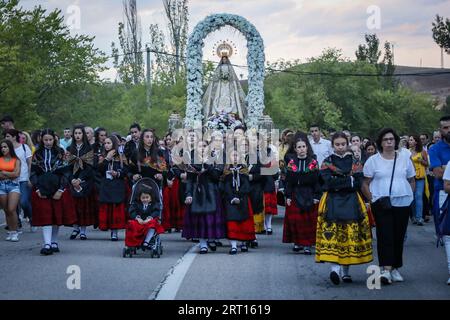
x=225, y=48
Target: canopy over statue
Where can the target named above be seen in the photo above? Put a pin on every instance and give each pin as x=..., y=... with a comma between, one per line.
x=224, y=93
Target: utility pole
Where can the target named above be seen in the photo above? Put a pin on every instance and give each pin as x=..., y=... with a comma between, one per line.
x=149, y=80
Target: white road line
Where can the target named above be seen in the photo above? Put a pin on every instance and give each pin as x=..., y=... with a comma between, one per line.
x=168, y=288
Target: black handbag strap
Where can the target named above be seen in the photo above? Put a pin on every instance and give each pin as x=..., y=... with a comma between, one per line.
x=392, y=177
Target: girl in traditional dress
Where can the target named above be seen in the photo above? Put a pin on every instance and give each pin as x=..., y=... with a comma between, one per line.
x=82, y=183
x=237, y=205
x=52, y=202
x=112, y=168
x=144, y=221
x=270, y=194
x=172, y=215
x=302, y=195
x=256, y=194
x=203, y=218
x=148, y=160
x=343, y=232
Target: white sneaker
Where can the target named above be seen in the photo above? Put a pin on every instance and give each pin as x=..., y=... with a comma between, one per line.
x=396, y=276
x=8, y=237
x=386, y=277
x=14, y=236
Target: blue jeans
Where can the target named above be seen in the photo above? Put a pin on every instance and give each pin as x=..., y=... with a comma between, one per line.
x=418, y=199
x=25, y=199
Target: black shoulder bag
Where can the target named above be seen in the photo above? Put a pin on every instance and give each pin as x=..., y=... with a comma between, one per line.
x=384, y=203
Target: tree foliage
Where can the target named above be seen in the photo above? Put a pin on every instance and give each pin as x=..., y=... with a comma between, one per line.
x=129, y=62
x=39, y=59
x=441, y=32
x=362, y=104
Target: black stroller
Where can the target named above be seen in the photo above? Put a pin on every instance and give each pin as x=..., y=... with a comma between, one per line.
x=155, y=246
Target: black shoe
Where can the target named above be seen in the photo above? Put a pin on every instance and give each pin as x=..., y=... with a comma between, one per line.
x=297, y=248
x=55, y=247
x=83, y=236
x=347, y=278
x=74, y=234
x=218, y=243
x=244, y=248
x=307, y=251
x=203, y=250
x=269, y=232
x=233, y=251
x=114, y=237
x=254, y=244
x=46, y=250
x=212, y=245
x=145, y=246
x=334, y=277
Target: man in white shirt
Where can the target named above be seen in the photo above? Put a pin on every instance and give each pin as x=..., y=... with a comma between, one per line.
x=67, y=140
x=322, y=148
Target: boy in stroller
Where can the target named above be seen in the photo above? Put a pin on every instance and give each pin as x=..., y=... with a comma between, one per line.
x=144, y=227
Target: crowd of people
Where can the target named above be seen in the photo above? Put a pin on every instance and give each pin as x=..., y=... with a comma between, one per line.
x=335, y=190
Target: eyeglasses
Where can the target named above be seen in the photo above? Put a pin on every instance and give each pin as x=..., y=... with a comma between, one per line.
x=388, y=139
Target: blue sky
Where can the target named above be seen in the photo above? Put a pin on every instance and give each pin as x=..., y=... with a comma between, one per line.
x=290, y=28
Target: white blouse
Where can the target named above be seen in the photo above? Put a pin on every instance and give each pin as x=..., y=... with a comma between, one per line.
x=380, y=170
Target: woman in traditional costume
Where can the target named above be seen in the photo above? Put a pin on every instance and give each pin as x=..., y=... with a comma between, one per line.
x=82, y=183
x=203, y=218
x=302, y=195
x=343, y=231
x=51, y=199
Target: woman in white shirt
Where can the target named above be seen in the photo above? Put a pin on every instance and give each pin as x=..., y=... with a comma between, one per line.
x=391, y=223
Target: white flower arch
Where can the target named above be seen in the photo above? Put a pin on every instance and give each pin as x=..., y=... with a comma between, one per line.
x=255, y=61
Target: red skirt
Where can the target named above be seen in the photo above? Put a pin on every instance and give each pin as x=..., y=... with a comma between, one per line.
x=173, y=209
x=87, y=210
x=242, y=230
x=112, y=216
x=299, y=225
x=47, y=212
x=135, y=233
x=270, y=203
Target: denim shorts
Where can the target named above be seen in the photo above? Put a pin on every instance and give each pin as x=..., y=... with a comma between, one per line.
x=7, y=186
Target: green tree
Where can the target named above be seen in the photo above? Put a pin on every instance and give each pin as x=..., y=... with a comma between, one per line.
x=130, y=62
x=39, y=58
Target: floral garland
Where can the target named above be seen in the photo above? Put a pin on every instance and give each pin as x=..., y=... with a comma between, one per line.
x=223, y=121
x=255, y=59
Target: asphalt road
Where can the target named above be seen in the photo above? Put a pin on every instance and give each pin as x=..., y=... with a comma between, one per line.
x=271, y=272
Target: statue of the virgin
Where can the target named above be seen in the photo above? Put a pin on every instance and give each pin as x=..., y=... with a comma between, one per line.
x=224, y=93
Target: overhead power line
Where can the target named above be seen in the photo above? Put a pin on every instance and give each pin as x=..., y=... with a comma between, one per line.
x=304, y=73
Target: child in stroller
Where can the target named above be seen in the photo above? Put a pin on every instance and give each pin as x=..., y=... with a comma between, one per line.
x=143, y=228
